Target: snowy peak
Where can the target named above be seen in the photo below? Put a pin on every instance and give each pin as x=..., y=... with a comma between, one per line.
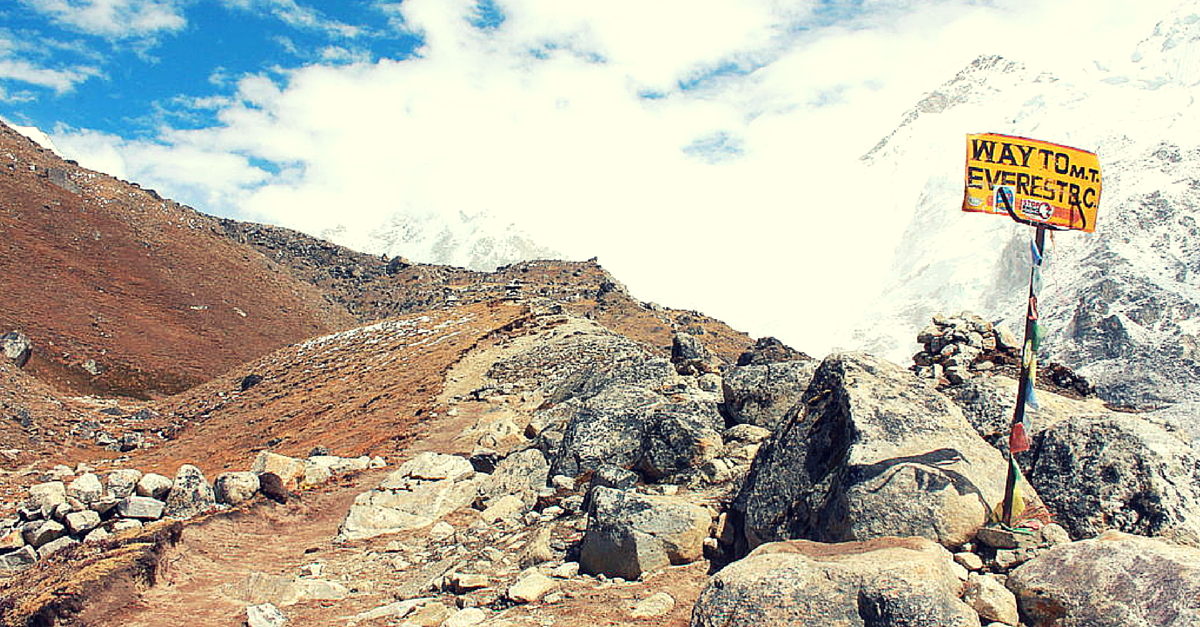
x=479, y=241
x=1171, y=55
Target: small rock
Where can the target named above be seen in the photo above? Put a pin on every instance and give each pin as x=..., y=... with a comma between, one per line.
x=656, y=605
x=50, y=493
x=466, y=617
x=124, y=525
x=441, y=531
x=507, y=507
x=289, y=469
x=55, y=545
x=264, y=615
x=1001, y=538
x=96, y=535
x=969, y=561
x=122, y=483
x=19, y=559
x=17, y=347
x=234, y=488
x=530, y=587
x=154, y=486
x=141, y=507
x=566, y=570
x=82, y=522
x=1006, y=559
x=430, y=614
x=1053, y=534
x=44, y=532
x=990, y=599
x=465, y=582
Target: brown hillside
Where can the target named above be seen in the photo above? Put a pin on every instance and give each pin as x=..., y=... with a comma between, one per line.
x=106, y=276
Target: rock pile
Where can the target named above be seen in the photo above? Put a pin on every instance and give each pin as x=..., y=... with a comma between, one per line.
x=58, y=513
x=959, y=347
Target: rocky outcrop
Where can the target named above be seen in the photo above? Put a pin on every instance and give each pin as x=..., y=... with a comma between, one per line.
x=1114, y=580
x=872, y=452
x=629, y=534
x=1118, y=472
x=886, y=581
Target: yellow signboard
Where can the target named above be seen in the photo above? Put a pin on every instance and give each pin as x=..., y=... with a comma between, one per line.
x=1033, y=182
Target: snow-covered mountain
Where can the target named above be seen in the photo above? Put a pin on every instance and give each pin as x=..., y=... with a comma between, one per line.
x=1121, y=305
x=479, y=241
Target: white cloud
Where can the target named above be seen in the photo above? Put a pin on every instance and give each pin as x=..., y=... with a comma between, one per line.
x=297, y=16
x=116, y=19
x=542, y=121
x=60, y=81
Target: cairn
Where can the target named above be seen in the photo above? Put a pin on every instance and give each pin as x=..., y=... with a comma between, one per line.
x=960, y=347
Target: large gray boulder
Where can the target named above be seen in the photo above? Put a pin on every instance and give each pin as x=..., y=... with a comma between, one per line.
x=886, y=582
x=1118, y=472
x=1114, y=580
x=191, y=494
x=636, y=428
x=761, y=395
x=520, y=474
x=629, y=534
x=872, y=452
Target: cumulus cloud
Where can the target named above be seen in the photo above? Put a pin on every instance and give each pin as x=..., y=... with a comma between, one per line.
x=117, y=19
x=708, y=153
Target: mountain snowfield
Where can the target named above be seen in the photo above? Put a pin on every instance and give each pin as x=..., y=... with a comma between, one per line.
x=1122, y=305
x=478, y=241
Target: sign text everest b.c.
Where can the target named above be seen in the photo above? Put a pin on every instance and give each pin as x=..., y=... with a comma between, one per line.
x=1032, y=181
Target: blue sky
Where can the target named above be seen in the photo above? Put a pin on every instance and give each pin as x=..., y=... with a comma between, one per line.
x=685, y=143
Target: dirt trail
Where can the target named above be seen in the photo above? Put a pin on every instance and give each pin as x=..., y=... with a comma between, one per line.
x=204, y=579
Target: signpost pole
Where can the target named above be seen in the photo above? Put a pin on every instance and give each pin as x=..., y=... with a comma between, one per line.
x=1024, y=389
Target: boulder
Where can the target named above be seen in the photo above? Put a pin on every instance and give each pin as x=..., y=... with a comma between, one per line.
x=122, y=483
x=1121, y=473
x=191, y=494
x=397, y=506
x=690, y=357
x=17, y=347
x=988, y=402
x=636, y=428
x=55, y=546
x=82, y=522
x=154, y=486
x=20, y=559
x=877, y=583
x=141, y=508
x=50, y=493
x=520, y=474
x=769, y=350
x=761, y=395
x=530, y=586
x=1113, y=580
x=872, y=452
x=629, y=534
x=86, y=488
x=990, y=599
x=233, y=488
x=40, y=533
x=289, y=469
x=431, y=466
